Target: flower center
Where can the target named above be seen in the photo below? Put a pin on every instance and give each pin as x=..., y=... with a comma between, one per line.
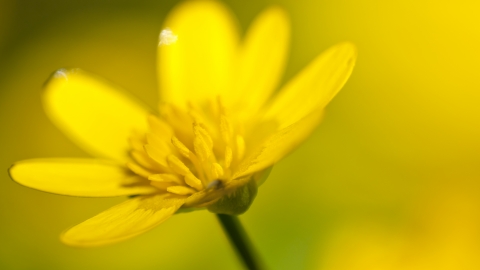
x=188, y=150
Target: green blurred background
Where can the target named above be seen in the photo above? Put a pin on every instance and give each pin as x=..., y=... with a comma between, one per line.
x=390, y=180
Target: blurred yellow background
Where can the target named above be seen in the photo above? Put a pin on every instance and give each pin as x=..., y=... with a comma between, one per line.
x=390, y=180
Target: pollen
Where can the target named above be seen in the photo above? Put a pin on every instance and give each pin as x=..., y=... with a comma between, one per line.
x=186, y=150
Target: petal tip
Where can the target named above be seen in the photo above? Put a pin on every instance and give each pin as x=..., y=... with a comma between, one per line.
x=276, y=18
x=68, y=240
x=278, y=12
x=10, y=171
x=61, y=73
x=73, y=237
x=348, y=48
x=13, y=173
x=58, y=76
x=202, y=6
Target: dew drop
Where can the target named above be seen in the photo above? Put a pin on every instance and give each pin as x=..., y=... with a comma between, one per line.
x=167, y=37
x=61, y=73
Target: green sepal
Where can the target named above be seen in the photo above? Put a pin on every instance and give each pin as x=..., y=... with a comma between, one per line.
x=261, y=177
x=237, y=202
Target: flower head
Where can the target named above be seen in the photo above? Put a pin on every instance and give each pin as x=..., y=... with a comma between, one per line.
x=214, y=137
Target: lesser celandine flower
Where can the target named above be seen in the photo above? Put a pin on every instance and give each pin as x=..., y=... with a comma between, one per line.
x=217, y=131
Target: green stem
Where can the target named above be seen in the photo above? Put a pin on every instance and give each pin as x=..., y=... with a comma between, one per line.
x=238, y=237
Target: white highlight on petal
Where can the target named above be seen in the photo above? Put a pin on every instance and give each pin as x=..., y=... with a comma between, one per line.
x=61, y=73
x=167, y=37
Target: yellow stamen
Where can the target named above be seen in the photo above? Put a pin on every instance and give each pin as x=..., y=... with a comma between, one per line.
x=157, y=155
x=177, y=165
x=240, y=145
x=144, y=160
x=195, y=115
x=187, y=153
x=226, y=129
x=201, y=148
x=165, y=177
x=217, y=171
x=228, y=157
x=137, y=169
x=202, y=142
x=181, y=190
x=159, y=143
x=161, y=185
x=193, y=181
x=184, y=151
x=199, y=130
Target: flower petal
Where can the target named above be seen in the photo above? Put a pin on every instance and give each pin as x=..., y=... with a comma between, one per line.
x=279, y=145
x=123, y=221
x=262, y=59
x=315, y=86
x=196, y=53
x=79, y=177
x=93, y=113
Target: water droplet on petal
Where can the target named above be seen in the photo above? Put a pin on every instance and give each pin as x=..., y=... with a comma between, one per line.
x=167, y=37
x=61, y=73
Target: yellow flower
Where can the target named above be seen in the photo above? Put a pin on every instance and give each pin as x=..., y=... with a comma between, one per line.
x=216, y=134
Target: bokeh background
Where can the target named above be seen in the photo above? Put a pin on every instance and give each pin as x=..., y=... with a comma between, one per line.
x=390, y=180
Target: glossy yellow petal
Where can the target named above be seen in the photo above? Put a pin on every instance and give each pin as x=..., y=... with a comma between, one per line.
x=196, y=53
x=93, y=113
x=314, y=86
x=279, y=145
x=262, y=59
x=79, y=177
x=123, y=221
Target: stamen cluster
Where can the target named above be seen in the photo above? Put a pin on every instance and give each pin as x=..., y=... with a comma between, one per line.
x=188, y=150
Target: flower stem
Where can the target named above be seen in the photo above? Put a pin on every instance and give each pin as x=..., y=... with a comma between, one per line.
x=238, y=237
